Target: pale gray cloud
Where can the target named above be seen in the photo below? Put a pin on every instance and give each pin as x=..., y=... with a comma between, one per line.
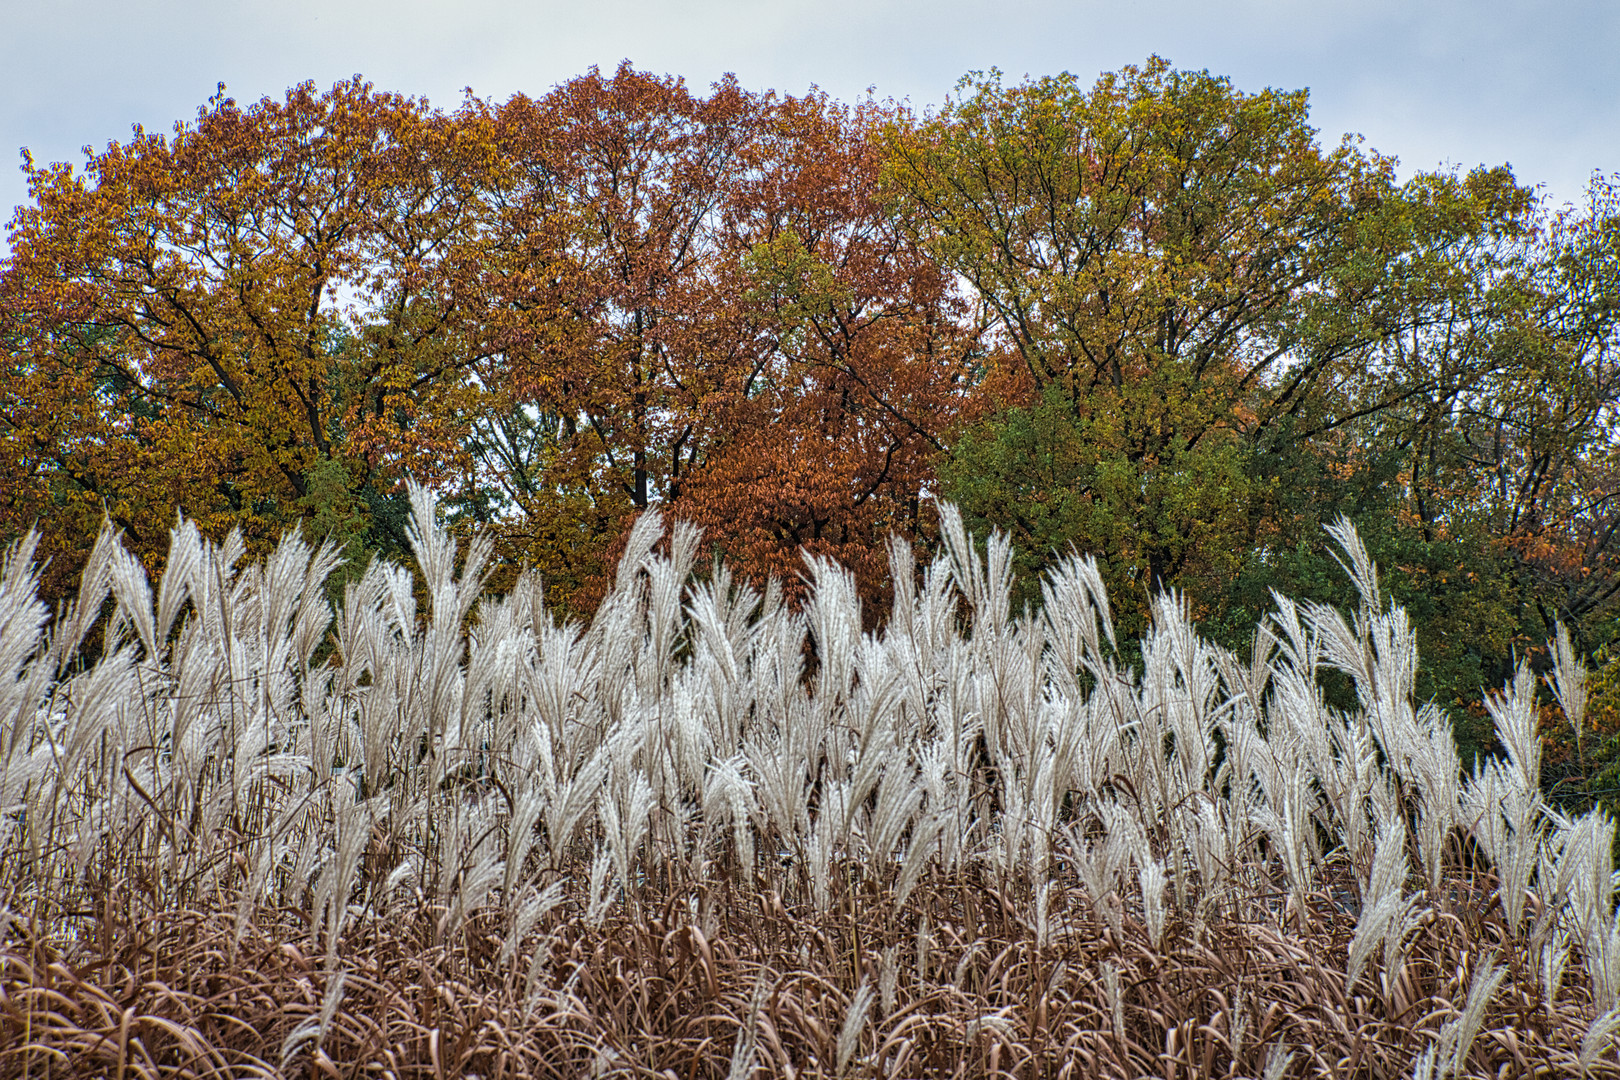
x=1535, y=84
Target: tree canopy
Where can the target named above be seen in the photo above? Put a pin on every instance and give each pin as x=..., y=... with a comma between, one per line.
x=1155, y=317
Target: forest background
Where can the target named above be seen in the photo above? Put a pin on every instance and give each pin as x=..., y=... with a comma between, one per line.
x=1156, y=318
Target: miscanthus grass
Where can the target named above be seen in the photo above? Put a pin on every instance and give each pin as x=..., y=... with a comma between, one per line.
x=708, y=834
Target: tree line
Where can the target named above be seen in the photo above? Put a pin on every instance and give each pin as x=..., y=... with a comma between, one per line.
x=1154, y=317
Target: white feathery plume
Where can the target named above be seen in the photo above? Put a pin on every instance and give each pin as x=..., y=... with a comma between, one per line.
x=903, y=581
x=1190, y=669
x=833, y=612
x=1043, y=924
x=473, y=885
x=1278, y=1058
x=524, y=915
x=867, y=773
x=1074, y=606
x=407, y=872
x=1359, y=567
x=19, y=580
x=1009, y=838
x=849, y=1033
x=1434, y=766
x=569, y=799
x=665, y=584
x=1554, y=868
x=336, y=883
x=888, y=978
x=824, y=841
x=1554, y=959
x=1090, y=867
x=1391, y=920
x=747, y=1044
x=965, y=961
x=1514, y=713
x=1457, y=1035
x=600, y=896
x=926, y=838
x=1292, y=831
x=1349, y=780
x=998, y=1023
x=721, y=634
x=1344, y=647
x=1603, y=963
x=1523, y=853
x=728, y=799
x=680, y=714
x=644, y=536
x=314, y=1029
x=1212, y=853
x=1599, y=1036
x=780, y=779
x=1481, y=809
x=1585, y=862
x=1297, y=650
x=1392, y=645
x=1237, y=1024
x=133, y=593
x=966, y=569
x=625, y=813
x=260, y=864
x=899, y=798
x=1376, y=915
x=1567, y=679
x=1116, y=998
x=1387, y=915
x=1151, y=877
x=925, y=943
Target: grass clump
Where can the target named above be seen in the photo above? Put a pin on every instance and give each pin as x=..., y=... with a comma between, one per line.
x=475, y=840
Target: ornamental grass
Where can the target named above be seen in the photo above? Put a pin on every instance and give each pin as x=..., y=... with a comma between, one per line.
x=441, y=833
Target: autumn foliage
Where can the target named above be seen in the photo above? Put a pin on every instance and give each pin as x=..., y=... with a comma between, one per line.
x=1156, y=318
x=702, y=303
x=558, y=311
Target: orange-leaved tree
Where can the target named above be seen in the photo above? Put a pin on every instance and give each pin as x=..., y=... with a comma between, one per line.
x=866, y=358
x=606, y=326
x=253, y=318
x=700, y=304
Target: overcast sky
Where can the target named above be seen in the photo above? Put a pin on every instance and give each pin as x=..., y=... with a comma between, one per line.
x=1432, y=81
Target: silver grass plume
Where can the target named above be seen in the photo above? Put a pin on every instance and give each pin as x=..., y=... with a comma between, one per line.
x=1567, y=680
x=888, y=978
x=1387, y=914
x=1448, y=1056
x=1514, y=713
x=528, y=912
x=747, y=1044
x=678, y=722
x=849, y=1033
x=315, y=1028
x=1554, y=959
x=1116, y=999
x=1152, y=880
x=1278, y=1058
x=600, y=895
x=1599, y=1036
